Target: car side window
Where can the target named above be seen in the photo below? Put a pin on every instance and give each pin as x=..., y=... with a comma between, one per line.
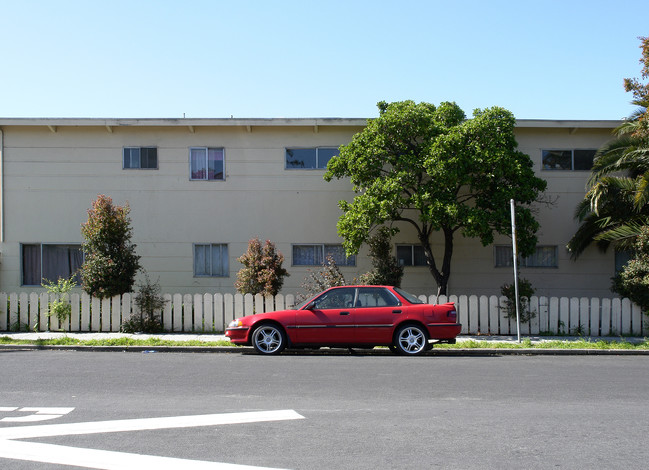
x=375, y=297
x=337, y=298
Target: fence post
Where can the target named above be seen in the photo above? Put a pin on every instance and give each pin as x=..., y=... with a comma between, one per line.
x=33, y=311
x=473, y=314
x=616, y=313
x=43, y=318
x=208, y=313
x=595, y=317
x=228, y=309
x=74, y=312
x=24, y=310
x=187, y=313
x=534, y=322
x=178, y=312
x=3, y=312
x=167, y=313
x=199, y=318
x=218, y=313
x=483, y=315
x=626, y=317
x=636, y=320
x=116, y=313
x=259, y=303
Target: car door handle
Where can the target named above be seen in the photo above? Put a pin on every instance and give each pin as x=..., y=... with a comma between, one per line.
x=344, y=313
x=396, y=311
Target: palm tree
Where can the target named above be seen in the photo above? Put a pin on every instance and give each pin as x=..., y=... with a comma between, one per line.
x=616, y=205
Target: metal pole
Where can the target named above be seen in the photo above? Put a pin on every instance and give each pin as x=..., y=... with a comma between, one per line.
x=515, y=253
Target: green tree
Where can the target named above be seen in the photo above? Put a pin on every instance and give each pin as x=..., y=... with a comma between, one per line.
x=386, y=269
x=262, y=271
x=432, y=169
x=615, y=206
x=110, y=263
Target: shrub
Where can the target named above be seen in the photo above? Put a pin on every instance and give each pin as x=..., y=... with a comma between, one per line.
x=60, y=307
x=386, y=267
x=328, y=276
x=633, y=280
x=262, y=271
x=525, y=291
x=149, y=302
x=110, y=262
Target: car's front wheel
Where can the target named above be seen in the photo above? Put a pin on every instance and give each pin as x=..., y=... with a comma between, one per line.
x=268, y=339
x=410, y=340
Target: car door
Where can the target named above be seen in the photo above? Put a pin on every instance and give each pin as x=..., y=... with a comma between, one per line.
x=329, y=319
x=377, y=310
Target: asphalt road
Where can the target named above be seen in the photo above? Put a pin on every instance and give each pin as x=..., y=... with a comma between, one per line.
x=356, y=412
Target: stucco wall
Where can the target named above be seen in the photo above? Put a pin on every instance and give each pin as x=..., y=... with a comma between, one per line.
x=51, y=178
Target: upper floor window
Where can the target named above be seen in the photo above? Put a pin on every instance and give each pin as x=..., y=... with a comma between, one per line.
x=316, y=254
x=309, y=158
x=543, y=257
x=211, y=260
x=141, y=158
x=48, y=261
x=577, y=159
x=206, y=163
x=411, y=255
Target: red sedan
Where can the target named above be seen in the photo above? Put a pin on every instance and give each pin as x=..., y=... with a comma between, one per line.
x=351, y=316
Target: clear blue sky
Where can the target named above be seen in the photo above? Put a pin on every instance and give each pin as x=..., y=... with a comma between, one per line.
x=540, y=59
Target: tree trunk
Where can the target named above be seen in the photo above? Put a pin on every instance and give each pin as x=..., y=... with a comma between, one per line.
x=441, y=277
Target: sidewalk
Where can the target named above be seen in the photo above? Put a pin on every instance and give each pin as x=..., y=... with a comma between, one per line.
x=205, y=338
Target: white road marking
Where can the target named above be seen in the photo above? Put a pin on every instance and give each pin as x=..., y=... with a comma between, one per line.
x=105, y=460
x=98, y=427
x=40, y=414
x=108, y=460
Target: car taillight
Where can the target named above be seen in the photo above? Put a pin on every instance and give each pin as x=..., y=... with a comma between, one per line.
x=452, y=315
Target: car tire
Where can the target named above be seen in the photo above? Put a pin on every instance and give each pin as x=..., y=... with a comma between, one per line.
x=411, y=340
x=269, y=339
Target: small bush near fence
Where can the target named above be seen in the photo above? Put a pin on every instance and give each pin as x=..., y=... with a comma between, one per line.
x=210, y=313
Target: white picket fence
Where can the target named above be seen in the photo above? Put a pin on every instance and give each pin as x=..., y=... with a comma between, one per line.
x=209, y=313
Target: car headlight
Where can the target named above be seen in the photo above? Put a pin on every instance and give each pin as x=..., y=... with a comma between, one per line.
x=235, y=324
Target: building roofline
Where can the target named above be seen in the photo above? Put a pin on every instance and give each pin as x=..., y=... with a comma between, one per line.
x=268, y=122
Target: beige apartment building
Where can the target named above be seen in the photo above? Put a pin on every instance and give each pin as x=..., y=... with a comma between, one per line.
x=199, y=189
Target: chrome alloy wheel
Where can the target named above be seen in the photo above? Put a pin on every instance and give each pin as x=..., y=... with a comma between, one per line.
x=411, y=340
x=268, y=339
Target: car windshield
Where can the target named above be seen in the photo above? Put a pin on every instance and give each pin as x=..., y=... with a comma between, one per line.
x=412, y=298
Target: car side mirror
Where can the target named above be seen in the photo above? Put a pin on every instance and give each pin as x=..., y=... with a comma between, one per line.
x=310, y=306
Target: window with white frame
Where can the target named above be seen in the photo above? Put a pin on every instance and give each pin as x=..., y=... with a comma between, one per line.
x=309, y=158
x=140, y=158
x=576, y=159
x=211, y=260
x=45, y=261
x=543, y=257
x=411, y=255
x=316, y=254
x=207, y=164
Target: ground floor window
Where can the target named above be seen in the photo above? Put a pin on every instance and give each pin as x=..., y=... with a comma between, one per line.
x=49, y=261
x=544, y=257
x=211, y=260
x=315, y=255
x=411, y=255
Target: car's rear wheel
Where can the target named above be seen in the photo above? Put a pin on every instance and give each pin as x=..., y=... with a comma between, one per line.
x=269, y=339
x=411, y=340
